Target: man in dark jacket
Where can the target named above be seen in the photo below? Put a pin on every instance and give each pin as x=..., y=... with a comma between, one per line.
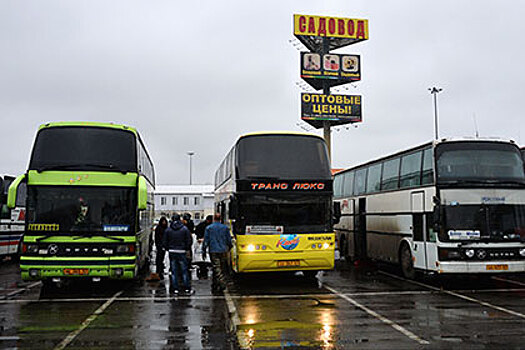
x=161, y=253
x=177, y=241
x=199, y=230
x=218, y=241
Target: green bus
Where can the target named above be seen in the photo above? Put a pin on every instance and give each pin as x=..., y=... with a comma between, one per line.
x=89, y=206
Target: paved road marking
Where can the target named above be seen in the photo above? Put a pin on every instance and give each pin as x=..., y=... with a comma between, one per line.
x=235, y=320
x=71, y=336
x=389, y=322
x=255, y=296
x=458, y=295
x=508, y=281
x=20, y=290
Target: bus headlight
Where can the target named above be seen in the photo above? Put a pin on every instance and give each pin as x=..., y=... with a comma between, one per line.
x=326, y=246
x=522, y=252
x=469, y=253
x=250, y=248
x=125, y=248
x=30, y=248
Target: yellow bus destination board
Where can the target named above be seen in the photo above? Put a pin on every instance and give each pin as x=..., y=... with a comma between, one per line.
x=340, y=109
x=344, y=31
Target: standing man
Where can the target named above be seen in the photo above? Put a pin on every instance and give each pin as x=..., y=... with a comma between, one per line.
x=177, y=241
x=199, y=230
x=161, y=253
x=218, y=240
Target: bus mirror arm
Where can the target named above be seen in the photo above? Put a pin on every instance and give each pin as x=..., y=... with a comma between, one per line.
x=337, y=212
x=142, y=199
x=232, y=209
x=436, y=217
x=11, y=194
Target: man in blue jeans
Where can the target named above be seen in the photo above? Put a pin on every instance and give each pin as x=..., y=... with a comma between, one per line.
x=177, y=242
x=218, y=241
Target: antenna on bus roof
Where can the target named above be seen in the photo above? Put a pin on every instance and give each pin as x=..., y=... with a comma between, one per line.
x=475, y=125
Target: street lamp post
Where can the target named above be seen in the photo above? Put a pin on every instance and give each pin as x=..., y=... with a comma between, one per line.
x=435, y=91
x=191, y=155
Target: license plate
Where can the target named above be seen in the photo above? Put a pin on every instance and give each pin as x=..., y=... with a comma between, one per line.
x=497, y=267
x=286, y=263
x=76, y=272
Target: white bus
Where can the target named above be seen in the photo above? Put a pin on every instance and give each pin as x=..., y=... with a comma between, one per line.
x=12, y=221
x=446, y=207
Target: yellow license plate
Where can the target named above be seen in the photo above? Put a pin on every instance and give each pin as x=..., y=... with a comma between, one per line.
x=76, y=272
x=286, y=263
x=497, y=267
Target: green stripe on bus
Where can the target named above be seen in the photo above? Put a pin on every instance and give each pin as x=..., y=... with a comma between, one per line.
x=81, y=178
x=92, y=124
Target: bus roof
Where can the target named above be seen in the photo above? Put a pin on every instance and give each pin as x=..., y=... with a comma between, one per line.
x=89, y=124
x=263, y=133
x=426, y=144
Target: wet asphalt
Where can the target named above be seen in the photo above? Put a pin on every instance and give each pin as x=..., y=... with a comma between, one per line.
x=356, y=306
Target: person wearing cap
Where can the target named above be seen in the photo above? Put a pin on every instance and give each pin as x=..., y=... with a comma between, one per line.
x=218, y=241
x=177, y=241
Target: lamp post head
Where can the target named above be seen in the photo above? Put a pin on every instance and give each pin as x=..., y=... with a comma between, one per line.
x=435, y=90
x=190, y=153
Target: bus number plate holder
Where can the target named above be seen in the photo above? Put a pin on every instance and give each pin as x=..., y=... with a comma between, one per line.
x=501, y=267
x=288, y=263
x=76, y=272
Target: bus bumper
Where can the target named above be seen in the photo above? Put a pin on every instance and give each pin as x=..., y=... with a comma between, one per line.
x=44, y=268
x=261, y=262
x=481, y=267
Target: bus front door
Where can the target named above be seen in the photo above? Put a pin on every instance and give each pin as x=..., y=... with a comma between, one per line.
x=360, y=230
x=418, y=230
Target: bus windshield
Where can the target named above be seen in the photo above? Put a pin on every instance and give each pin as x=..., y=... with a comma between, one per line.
x=277, y=157
x=479, y=162
x=494, y=222
x=84, y=148
x=296, y=213
x=81, y=209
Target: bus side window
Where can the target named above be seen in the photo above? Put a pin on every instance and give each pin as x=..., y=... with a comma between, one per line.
x=390, y=177
x=427, y=176
x=360, y=181
x=410, y=170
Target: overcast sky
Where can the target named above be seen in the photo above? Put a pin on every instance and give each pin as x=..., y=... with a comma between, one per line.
x=194, y=75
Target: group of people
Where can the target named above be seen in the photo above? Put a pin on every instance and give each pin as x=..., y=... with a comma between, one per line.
x=175, y=238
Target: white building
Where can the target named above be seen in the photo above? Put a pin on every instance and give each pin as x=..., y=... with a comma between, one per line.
x=194, y=199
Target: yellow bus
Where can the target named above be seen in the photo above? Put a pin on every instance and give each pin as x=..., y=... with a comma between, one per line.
x=274, y=189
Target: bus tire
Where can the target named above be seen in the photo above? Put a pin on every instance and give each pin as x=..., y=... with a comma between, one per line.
x=310, y=275
x=406, y=263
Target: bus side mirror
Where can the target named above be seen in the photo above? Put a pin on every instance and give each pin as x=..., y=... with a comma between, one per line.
x=142, y=193
x=13, y=190
x=337, y=212
x=233, y=209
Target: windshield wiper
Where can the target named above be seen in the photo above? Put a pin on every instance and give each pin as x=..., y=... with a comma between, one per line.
x=46, y=237
x=262, y=177
x=89, y=235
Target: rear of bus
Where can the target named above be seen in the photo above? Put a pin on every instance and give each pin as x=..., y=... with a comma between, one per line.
x=83, y=194
x=282, y=205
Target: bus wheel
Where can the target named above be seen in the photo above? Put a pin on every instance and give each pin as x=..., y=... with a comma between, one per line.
x=406, y=263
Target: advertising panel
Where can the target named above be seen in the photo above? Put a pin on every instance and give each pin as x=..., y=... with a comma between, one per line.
x=334, y=69
x=339, y=109
x=342, y=31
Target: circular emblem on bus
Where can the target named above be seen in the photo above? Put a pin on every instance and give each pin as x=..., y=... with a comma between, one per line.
x=52, y=249
x=288, y=242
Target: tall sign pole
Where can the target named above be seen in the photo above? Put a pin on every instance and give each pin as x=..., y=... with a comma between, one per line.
x=323, y=70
